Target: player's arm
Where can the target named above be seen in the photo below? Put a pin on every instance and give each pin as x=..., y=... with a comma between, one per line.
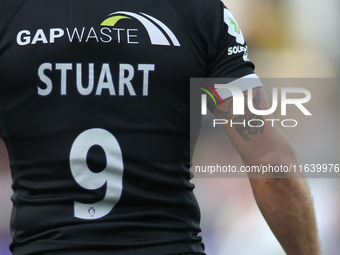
x=285, y=203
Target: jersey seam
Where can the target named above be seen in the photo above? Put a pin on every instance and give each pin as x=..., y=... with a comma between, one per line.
x=9, y=20
x=179, y=12
x=185, y=216
x=3, y=127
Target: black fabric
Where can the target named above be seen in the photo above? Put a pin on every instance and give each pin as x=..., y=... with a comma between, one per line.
x=94, y=111
x=8, y=10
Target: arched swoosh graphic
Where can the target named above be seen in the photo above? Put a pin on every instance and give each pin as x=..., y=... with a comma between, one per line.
x=156, y=35
x=165, y=28
x=113, y=20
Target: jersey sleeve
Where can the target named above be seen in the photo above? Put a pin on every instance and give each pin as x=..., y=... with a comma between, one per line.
x=230, y=58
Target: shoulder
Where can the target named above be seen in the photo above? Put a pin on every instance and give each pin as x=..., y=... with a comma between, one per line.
x=205, y=9
x=7, y=10
x=203, y=18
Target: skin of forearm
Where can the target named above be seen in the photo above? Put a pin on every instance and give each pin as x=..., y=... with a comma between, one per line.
x=287, y=206
x=283, y=198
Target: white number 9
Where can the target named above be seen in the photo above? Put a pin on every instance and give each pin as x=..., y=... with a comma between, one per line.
x=112, y=175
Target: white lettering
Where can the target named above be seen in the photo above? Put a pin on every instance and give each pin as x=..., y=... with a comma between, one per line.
x=261, y=112
x=75, y=32
x=230, y=51
x=45, y=79
x=107, y=35
x=219, y=122
x=238, y=123
x=118, y=33
x=55, y=33
x=63, y=67
x=146, y=68
x=85, y=91
x=237, y=49
x=86, y=85
x=92, y=34
x=272, y=120
x=297, y=102
x=105, y=74
x=39, y=37
x=238, y=98
x=257, y=122
x=126, y=80
x=23, y=37
x=204, y=104
x=130, y=36
x=295, y=123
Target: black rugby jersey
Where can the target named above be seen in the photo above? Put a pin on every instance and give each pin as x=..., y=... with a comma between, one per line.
x=94, y=111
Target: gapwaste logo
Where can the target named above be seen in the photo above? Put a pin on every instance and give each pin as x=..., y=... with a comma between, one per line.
x=109, y=31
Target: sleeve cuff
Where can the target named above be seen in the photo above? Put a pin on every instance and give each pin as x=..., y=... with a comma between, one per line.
x=245, y=82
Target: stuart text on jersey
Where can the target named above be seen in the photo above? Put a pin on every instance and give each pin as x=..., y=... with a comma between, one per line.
x=105, y=81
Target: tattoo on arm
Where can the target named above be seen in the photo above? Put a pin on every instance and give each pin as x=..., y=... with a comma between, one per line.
x=241, y=123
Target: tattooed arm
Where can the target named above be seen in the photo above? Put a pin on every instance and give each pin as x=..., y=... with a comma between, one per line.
x=285, y=203
x=245, y=130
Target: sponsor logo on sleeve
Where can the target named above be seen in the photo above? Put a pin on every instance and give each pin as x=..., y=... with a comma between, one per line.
x=235, y=31
x=233, y=27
